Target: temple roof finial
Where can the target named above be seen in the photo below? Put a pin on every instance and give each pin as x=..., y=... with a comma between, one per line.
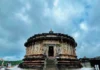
x=51, y=31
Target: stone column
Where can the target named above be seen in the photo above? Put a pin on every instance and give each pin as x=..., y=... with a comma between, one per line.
x=61, y=49
x=41, y=48
x=71, y=50
x=67, y=49
x=74, y=52
x=55, y=50
x=32, y=48
x=26, y=51
x=29, y=50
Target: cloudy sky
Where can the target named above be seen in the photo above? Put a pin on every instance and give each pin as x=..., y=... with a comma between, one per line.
x=20, y=19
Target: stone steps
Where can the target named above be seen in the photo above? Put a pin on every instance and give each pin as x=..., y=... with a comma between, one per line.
x=50, y=64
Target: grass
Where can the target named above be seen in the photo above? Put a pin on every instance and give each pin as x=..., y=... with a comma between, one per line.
x=12, y=62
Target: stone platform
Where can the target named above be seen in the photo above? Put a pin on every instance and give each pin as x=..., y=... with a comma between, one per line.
x=50, y=64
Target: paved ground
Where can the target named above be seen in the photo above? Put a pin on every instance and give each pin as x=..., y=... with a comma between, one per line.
x=16, y=68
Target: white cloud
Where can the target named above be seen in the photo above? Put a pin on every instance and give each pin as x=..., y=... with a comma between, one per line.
x=67, y=13
x=95, y=28
x=61, y=12
x=23, y=17
x=64, y=12
x=11, y=58
x=84, y=26
x=59, y=15
x=23, y=10
x=84, y=49
x=76, y=35
x=47, y=11
x=56, y=3
x=28, y=6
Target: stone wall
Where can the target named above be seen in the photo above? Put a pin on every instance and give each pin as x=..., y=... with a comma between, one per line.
x=34, y=49
x=59, y=48
x=67, y=49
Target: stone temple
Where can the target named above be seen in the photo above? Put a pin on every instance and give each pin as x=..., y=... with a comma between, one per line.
x=55, y=49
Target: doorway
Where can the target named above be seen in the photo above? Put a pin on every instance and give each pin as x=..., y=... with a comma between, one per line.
x=51, y=51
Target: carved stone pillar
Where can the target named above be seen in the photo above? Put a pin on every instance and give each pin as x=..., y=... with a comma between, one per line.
x=26, y=51
x=67, y=49
x=32, y=49
x=71, y=50
x=29, y=50
x=41, y=48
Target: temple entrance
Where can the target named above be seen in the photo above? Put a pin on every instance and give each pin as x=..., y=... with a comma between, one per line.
x=51, y=51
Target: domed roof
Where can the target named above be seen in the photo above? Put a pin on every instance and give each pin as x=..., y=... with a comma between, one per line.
x=51, y=31
x=51, y=36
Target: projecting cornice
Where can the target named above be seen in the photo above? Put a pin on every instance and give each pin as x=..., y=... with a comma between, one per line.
x=51, y=36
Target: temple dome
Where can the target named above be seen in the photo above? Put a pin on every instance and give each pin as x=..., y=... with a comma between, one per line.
x=51, y=31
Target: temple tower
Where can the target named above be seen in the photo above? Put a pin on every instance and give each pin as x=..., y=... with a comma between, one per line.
x=50, y=45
